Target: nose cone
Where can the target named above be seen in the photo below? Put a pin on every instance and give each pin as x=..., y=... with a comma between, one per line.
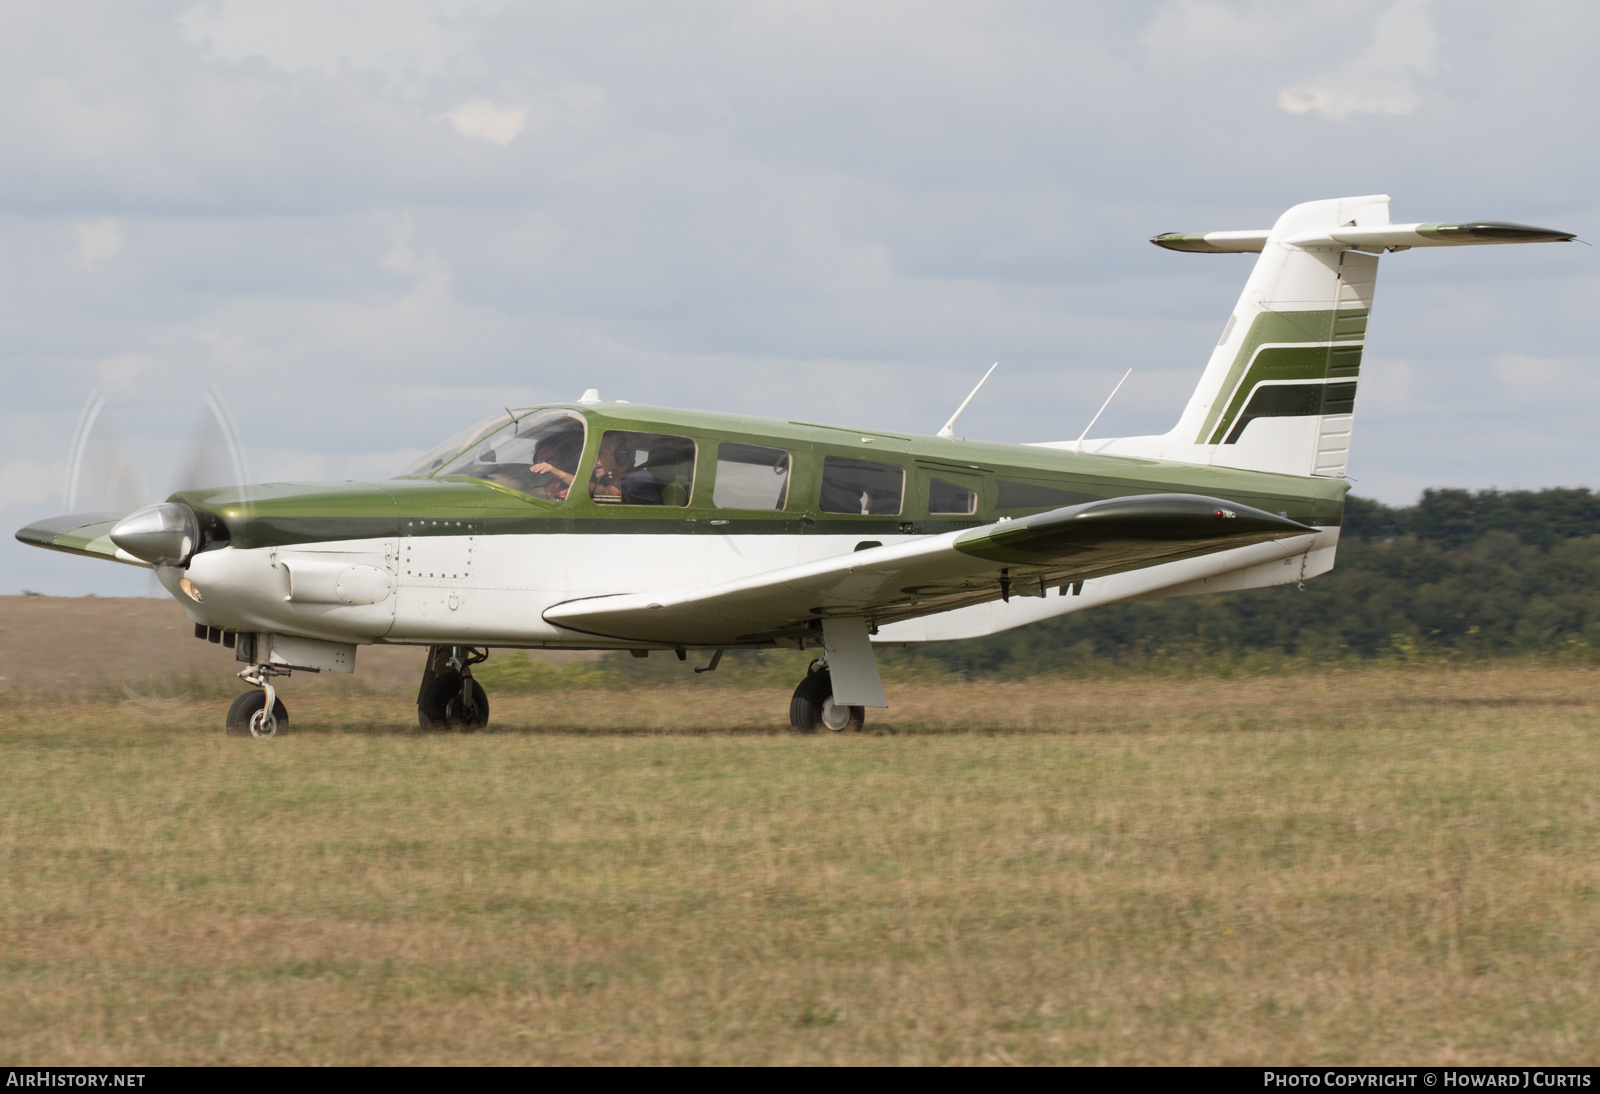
x=163, y=535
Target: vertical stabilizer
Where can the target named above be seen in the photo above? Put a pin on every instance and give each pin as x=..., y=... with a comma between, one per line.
x=1279, y=391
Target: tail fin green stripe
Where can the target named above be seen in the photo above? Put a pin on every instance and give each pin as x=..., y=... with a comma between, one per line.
x=1252, y=363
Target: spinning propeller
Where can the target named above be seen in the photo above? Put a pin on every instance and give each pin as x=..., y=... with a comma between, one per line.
x=105, y=475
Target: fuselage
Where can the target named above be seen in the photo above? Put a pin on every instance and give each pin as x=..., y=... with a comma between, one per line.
x=442, y=558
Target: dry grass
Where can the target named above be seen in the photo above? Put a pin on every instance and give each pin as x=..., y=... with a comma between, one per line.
x=1381, y=867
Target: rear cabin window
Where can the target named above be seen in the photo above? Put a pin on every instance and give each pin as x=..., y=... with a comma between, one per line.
x=862, y=487
x=750, y=476
x=948, y=498
x=1032, y=495
x=643, y=469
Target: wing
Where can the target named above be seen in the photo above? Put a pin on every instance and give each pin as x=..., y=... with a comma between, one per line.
x=933, y=574
x=80, y=534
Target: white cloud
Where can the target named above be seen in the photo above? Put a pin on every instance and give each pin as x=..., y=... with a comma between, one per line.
x=28, y=482
x=397, y=39
x=1379, y=79
x=1206, y=30
x=98, y=241
x=127, y=371
x=490, y=121
x=81, y=125
x=1556, y=380
x=482, y=118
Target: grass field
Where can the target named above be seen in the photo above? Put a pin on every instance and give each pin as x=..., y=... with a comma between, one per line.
x=1388, y=866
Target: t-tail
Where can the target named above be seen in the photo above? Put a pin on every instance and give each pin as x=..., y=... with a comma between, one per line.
x=1279, y=392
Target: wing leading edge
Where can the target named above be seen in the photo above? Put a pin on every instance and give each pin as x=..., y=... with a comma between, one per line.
x=1024, y=557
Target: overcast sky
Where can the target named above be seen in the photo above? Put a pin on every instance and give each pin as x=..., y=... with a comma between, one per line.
x=369, y=224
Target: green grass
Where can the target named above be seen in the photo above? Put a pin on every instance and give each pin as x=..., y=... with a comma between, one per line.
x=1377, y=867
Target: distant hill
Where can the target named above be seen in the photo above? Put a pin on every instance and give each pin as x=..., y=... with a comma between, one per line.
x=1459, y=573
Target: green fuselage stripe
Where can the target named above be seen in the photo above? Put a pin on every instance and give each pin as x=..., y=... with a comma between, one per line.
x=1008, y=481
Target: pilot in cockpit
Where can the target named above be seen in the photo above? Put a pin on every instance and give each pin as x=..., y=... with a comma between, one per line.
x=559, y=460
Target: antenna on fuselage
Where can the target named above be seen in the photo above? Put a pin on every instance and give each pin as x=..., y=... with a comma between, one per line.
x=949, y=430
x=1077, y=446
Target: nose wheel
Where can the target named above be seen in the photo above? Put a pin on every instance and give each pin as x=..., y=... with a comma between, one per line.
x=812, y=706
x=247, y=717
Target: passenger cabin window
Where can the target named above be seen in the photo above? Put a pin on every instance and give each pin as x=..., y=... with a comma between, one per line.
x=862, y=487
x=537, y=454
x=643, y=469
x=751, y=477
x=1032, y=495
x=947, y=497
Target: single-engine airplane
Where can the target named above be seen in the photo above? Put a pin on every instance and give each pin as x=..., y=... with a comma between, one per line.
x=610, y=526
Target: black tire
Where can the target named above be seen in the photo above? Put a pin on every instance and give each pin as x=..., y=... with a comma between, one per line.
x=811, y=708
x=440, y=709
x=239, y=714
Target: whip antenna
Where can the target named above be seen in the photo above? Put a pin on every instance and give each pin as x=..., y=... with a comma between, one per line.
x=1077, y=445
x=949, y=430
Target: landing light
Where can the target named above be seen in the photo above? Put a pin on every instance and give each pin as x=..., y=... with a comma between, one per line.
x=189, y=590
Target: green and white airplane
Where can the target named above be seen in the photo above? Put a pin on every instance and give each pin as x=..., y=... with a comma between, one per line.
x=607, y=525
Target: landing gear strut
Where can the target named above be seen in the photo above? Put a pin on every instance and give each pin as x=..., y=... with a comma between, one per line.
x=258, y=713
x=449, y=698
x=813, y=708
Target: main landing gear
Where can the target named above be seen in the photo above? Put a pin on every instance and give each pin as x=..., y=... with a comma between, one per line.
x=449, y=698
x=258, y=713
x=813, y=708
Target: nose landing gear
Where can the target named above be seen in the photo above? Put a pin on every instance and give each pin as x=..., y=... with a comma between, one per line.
x=813, y=708
x=258, y=713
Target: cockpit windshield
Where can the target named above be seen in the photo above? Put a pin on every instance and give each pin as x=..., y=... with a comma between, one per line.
x=439, y=456
x=537, y=454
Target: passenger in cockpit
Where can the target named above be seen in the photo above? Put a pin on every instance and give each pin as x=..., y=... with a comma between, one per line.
x=615, y=477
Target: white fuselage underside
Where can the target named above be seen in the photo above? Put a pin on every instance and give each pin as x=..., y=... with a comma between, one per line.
x=494, y=590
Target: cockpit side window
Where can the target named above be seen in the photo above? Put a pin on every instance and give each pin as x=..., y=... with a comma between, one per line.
x=634, y=468
x=537, y=454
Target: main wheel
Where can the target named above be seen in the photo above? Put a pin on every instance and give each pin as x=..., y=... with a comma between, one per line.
x=812, y=707
x=440, y=706
x=244, y=711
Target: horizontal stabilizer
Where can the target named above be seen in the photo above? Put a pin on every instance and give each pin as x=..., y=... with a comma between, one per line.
x=79, y=534
x=1386, y=237
x=1025, y=557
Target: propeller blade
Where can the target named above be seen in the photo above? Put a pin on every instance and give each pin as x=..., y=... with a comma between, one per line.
x=216, y=456
x=102, y=474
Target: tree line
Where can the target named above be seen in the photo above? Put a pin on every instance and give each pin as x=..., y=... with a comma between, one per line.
x=1458, y=574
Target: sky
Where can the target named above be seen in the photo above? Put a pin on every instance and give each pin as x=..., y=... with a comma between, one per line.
x=365, y=225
